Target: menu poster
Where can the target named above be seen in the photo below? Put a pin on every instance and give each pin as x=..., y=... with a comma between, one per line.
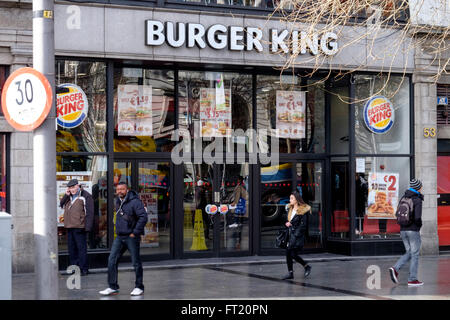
x=134, y=110
x=215, y=116
x=383, y=195
x=291, y=110
x=62, y=178
x=151, y=234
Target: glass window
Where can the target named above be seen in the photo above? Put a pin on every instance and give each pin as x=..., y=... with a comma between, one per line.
x=91, y=172
x=277, y=184
x=298, y=115
x=382, y=95
x=143, y=110
x=81, y=84
x=339, y=93
x=215, y=105
x=3, y=77
x=3, y=186
x=378, y=191
x=340, y=187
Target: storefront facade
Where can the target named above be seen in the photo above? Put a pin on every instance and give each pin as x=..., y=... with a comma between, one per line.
x=175, y=64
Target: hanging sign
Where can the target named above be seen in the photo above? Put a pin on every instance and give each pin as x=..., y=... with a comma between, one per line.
x=26, y=99
x=379, y=115
x=291, y=109
x=71, y=106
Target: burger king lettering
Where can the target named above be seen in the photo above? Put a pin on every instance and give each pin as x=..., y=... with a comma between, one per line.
x=379, y=114
x=71, y=106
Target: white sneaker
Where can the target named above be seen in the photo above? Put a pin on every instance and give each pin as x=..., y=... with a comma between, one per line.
x=234, y=225
x=137, y=292
x=108, y=292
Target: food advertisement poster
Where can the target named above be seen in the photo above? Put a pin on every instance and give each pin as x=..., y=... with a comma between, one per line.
x=215, y=112
x=291, y=114
x=134, y=110
x=62, y=178
x=150, y=180
x=383, y=195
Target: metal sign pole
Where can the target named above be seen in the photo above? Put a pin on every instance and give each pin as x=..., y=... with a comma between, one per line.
x=44, y=160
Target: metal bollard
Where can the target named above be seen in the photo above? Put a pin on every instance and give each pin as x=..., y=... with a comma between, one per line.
x=5, y=256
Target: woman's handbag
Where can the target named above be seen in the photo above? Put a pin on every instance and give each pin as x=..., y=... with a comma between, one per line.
x=282, y=238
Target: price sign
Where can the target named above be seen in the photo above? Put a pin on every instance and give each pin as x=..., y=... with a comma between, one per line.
x=26, y=99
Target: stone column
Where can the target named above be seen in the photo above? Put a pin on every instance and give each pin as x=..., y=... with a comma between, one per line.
x=426, y=148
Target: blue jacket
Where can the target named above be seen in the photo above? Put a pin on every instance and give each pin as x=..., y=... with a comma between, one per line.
x=132, y=216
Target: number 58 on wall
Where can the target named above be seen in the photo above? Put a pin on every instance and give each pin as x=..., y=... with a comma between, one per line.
x=429, y=132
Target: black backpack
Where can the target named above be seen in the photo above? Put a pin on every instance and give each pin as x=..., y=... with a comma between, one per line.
x=405, y=211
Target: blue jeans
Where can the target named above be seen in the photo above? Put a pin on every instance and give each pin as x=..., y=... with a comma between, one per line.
x=119, y=246
x=412, y=242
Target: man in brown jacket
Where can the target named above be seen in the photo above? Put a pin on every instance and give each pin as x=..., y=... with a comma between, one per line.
x=78, y=208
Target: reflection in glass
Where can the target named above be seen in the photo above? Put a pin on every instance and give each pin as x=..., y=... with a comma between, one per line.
x=378, y=191
x=213, y=104
x=90, y=135
x=234, y=192
x=300, y=121
x=277, y=184
x=396, y=90
x=154, y=192
x=340, y=186
x=339, y=109
x=91, y=172
x=198, y=224
x=143, y=110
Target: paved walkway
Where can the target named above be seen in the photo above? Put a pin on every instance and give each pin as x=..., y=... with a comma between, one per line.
x=332, y=277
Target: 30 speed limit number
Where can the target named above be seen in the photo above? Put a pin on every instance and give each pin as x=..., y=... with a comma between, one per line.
x=26, y=99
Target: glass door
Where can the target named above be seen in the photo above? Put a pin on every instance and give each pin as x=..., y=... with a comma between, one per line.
x=151, y=181
x=234, y=207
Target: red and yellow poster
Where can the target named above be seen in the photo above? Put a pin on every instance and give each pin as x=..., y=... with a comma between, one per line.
x=215, y=112
x=134, y=110
x=383, y=195
x=291, y=110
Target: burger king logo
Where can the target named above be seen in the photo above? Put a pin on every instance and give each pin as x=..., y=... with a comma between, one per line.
x=379, y=114
x=71, y=106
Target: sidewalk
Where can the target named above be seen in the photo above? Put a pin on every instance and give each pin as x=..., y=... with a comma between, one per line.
x=332, y=277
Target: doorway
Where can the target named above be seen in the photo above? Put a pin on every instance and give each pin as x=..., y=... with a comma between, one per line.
x=151, y=180
x=216, y=209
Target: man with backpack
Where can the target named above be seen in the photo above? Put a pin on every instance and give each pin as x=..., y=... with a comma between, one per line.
x=409, y=217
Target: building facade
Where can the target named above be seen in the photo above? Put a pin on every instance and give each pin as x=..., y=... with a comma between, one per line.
x=187, y=104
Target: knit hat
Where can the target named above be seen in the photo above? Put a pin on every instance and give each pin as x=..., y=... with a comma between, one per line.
x=416, y=184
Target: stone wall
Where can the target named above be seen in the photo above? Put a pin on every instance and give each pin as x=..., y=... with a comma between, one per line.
x=16, y=52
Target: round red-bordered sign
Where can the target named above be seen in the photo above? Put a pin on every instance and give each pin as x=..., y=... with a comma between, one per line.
x=26, y=99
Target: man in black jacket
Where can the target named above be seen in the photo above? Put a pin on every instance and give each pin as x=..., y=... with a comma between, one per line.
x=131, y=218
x=411, y=236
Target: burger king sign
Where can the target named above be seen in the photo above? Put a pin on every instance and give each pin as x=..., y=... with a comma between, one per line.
x=379, y=114
x=71, y=106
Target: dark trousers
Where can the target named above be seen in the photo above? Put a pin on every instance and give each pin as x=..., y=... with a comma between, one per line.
x=292, y=254
x=76, y=241
x=119, y=246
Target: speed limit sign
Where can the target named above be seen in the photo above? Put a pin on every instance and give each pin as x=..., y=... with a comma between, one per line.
x=26, y=99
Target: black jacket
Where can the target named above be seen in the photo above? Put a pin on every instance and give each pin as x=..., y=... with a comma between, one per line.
x=134, y=217
x=298, y=228
x=417, y=212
